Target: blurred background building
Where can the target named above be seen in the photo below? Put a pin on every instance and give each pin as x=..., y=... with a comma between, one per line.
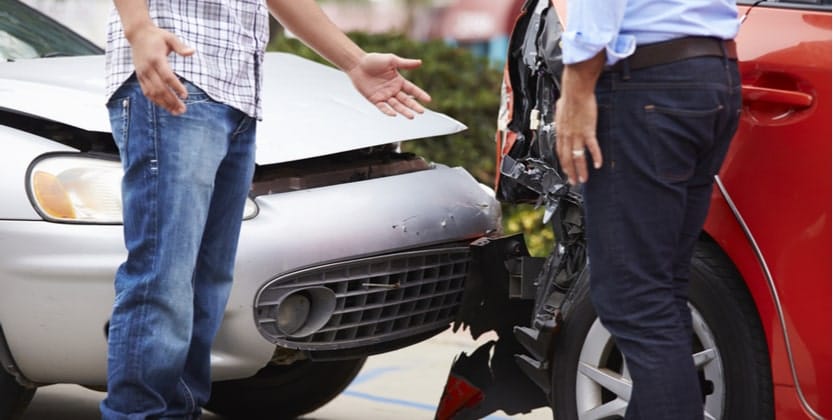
x=480, y=25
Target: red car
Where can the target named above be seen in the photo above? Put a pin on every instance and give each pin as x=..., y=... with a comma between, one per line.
x=761, y=277
x=770, y=214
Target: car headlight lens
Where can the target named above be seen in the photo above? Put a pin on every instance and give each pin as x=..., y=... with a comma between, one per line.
x=83, y=190
x=77, y=189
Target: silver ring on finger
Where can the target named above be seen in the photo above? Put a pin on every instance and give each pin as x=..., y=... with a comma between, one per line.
x=578, y=153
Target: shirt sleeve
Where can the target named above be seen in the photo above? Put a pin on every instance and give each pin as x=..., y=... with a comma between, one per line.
x=593, y=25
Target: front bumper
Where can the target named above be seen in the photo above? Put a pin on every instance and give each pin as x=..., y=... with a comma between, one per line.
x=56, y=280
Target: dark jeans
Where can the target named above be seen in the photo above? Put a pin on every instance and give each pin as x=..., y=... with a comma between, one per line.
x=664, y=131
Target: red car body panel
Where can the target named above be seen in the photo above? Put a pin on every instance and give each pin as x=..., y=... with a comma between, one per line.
x=777, y=173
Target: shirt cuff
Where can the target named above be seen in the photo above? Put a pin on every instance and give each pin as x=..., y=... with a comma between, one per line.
x=578, y=47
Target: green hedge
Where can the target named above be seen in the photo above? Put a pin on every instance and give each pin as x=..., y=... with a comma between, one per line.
x=465, y=87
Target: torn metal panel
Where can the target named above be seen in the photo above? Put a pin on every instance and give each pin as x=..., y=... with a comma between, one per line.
x=528, y=172
x=529, y=168
x=491, y=381
x=491, y=371
x=486, y=305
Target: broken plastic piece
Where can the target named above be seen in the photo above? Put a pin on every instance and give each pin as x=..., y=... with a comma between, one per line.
x=534, y=119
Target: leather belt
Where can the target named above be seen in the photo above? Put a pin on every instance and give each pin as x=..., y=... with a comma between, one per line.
x=677, y=49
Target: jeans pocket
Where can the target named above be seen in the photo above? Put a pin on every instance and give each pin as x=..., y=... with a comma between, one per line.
x=195, y=94
x=679, y=136
x=195, y=98
x=119, y=109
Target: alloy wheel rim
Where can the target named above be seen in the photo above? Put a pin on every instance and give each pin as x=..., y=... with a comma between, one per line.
x=603, y=383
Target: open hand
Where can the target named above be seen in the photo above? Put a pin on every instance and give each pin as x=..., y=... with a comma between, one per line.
x=377, y=77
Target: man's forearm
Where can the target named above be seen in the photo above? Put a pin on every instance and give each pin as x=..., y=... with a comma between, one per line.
x=579, y=79
x=307, y=21
x=134, y=15
x=576, y=116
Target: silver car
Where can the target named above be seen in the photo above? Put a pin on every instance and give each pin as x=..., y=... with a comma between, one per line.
x=349, y=247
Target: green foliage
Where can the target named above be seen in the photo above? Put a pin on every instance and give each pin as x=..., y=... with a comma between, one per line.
x=461, y=85
x=465, y=87
x=528, y=220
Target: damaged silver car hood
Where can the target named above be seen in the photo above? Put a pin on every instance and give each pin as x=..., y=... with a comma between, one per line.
x=309, y=109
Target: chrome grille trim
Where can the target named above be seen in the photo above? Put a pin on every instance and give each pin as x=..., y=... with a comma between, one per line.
x=378, y=299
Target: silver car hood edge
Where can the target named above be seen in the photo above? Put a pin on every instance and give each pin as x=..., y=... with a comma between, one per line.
x=309, y=109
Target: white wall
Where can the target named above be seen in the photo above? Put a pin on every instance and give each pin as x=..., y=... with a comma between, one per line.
x=87, y=17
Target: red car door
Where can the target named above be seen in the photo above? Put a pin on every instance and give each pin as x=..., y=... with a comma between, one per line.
x=778, y=175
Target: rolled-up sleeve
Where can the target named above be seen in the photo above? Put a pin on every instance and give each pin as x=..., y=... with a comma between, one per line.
x=593, y=25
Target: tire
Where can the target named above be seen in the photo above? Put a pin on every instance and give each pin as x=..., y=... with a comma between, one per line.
x=283, y=392
x=14, y=398
x=729, y=347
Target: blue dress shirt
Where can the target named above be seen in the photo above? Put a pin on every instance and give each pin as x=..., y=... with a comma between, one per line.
x=618, y=26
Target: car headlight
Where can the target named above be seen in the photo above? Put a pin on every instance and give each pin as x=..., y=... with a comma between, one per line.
x=83, y=189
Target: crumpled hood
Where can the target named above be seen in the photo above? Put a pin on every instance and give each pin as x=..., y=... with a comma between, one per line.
x=309, y=109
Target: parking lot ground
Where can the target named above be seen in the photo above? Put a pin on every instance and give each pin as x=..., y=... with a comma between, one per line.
x=401, y=385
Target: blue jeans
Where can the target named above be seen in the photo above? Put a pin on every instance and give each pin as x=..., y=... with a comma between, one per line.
x=184, y=189
x=663, y=131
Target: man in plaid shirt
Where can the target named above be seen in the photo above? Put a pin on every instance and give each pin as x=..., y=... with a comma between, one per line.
x=183, y=88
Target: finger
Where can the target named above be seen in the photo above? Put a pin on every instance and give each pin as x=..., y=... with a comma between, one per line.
x=409, y=102
x=158, y=92
x=169, y=101
x=400, y=108
x=579, y=156
x=385, y=108
x=415, y=91
x=565, y=158
x=179, y=47
x=595, y=152
x=174, y=91
x=406, y=63
x=173, y=83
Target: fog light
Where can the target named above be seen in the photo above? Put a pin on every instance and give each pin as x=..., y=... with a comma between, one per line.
x=293, y=313
x=305, y=311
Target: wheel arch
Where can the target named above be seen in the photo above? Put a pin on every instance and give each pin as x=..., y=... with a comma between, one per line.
x=9, y=364
x=725, y=228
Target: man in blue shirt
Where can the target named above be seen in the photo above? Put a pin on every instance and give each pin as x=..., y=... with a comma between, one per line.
x=650, y=96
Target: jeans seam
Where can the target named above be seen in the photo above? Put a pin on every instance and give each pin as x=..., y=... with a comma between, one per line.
x=152, y=213
x=154, y=136
x=191, y=403
x=126, y=128
x=242, y=126
x=619, y=262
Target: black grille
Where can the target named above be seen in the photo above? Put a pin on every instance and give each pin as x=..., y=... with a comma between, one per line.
x=378, y=299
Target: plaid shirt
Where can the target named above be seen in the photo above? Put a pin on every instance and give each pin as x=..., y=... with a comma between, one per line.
x=229, y=37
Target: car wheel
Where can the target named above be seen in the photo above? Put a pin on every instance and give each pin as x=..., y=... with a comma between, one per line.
x=283, y=392
x=591, y=380
x=14, y=398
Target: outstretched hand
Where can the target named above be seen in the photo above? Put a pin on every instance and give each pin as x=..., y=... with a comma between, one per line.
x=377, y=77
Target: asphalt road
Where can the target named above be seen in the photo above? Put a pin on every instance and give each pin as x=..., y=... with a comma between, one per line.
x=401, y=385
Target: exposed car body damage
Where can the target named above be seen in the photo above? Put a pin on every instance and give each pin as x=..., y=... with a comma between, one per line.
x=745, y=329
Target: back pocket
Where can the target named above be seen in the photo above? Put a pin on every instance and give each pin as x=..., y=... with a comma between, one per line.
x=679, y=135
